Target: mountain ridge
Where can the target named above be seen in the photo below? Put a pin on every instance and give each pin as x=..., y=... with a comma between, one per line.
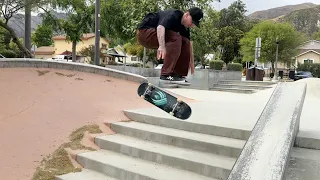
x=274, y=13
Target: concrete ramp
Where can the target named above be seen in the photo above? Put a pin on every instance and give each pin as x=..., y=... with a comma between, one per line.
x=267, y=151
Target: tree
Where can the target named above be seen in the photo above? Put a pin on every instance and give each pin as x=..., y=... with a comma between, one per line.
x=136, y=49
x=43, y=36
x=79, y=21
x=316, y=36
x=233, y=16
x=232, y=25
x=229, y=42
x=205, y=38
x=119, y=19
x=8, y=9
x=289, y=40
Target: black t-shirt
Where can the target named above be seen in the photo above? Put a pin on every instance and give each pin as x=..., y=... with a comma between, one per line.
x=170, y=19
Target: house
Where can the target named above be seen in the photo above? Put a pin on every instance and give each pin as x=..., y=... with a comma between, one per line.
x=309, y=52
x=44, y=52
x=62, y=47
x=88, y=39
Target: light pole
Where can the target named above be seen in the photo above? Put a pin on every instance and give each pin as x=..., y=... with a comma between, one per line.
x=275, y=77
x=97, y=33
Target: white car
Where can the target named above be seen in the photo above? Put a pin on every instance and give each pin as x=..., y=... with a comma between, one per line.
x=159, y=66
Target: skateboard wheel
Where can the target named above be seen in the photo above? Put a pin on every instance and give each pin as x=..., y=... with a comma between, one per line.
x=179, y=100
x=171, y=113
x=142, y=96
x=149, y=84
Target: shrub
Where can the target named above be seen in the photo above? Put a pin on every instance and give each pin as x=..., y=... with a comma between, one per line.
x=8, y=53
x=314, y=68
x=216, y=64
x=234, y=67
x=136, y=65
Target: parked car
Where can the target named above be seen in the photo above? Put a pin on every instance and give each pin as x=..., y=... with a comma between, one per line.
x=302, y=75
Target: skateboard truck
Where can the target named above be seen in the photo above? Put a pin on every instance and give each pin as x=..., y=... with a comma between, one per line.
x=147, y=90
x=174, y=107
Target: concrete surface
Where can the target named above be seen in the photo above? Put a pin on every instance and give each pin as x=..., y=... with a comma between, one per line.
x=214, y=108
x=39, y=112
x=85, y=174
x=250, y=106
x=304, y=164
x=309, y=134
x=266, y=153
x=140, y=116
x=207, y=164
x=124, y=167
x=73, y=66
x=184, y=139
x=28, y=96
x=203, y=79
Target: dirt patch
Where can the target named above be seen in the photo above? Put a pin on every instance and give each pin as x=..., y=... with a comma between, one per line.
x=59, y=162
x=79, y=79
x=41, y=73
x=67, y=75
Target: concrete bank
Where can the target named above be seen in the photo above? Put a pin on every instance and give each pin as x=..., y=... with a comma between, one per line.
x=38, y=63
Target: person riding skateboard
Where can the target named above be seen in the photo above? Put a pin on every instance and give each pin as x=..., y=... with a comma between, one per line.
x=169, y=32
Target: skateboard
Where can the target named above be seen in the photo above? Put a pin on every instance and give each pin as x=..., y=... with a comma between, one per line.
x=164, y=101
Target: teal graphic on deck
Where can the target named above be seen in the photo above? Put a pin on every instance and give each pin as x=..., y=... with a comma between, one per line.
x=159, y=98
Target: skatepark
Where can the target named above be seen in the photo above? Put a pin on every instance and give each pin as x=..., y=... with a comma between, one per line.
x=270, y=134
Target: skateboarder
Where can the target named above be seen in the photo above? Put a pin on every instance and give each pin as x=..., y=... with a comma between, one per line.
x=169, y=32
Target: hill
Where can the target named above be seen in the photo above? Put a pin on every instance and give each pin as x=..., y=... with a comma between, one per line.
x=280, y=11
x=304, y=20
x=17, y=22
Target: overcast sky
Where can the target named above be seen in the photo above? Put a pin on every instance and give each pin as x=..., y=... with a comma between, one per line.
x=258, y=5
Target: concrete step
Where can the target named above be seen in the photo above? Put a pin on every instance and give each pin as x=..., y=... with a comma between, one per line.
x=140, y=116
x=125, y=167
x=304, y=164
x=307, y=141
x=240, y=86
x=190, y=140
x=85, y=174
x=234, y=90
x=207, y=164
x=258, y=83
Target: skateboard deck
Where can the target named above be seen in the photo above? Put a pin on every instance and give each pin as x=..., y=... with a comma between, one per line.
x=164, y=101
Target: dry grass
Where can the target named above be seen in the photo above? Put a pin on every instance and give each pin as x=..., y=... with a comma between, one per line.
x=41, y=73
x=59, y=163
x=67, y=75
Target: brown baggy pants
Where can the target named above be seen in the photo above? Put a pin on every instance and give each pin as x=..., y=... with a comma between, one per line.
x=177, y=57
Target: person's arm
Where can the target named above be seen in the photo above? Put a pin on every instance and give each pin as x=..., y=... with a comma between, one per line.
x=160, y=33
x=161, y=39
x=191, y=65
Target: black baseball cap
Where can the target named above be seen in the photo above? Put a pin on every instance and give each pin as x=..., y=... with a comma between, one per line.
x=196, y=14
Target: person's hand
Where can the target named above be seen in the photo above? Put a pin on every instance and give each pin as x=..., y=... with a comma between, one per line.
x=161, y=52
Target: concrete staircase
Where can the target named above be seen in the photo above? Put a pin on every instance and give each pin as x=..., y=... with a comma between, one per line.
x=157, y=148
x=152, y=148
x=246, y=87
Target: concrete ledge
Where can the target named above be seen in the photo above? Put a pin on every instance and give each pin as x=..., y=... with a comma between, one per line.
x=307, y=142
x=37, y=63
x=188, y=126
x=267, y=151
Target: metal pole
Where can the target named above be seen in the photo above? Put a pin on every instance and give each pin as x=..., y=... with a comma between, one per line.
x=144, y=57
x=97, y=33
x=276, y=64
